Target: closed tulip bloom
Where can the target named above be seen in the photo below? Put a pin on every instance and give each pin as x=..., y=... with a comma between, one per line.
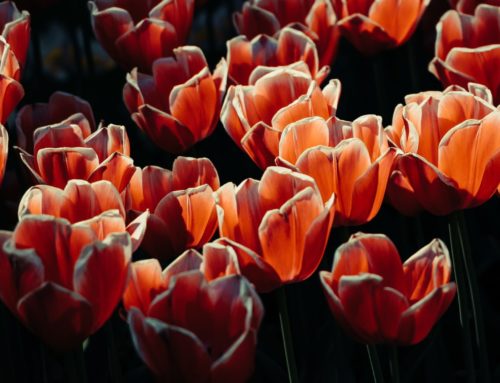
x=351, y=160
x=11, y=90
x=162, y=104
x=468, y=49
x=54, y=277
x=376, y=25
x=377, y=299
x=316, y=18
x=278, y=226
x=66, y=151
x=191, y=329
x=451, y=151
x=255, y=116
x=181, y=205
x=468, y=6
x=136, y=33
x=81, y=201
x=4, y=151
x=61, y=108
x=289, y=46
x=15, y=27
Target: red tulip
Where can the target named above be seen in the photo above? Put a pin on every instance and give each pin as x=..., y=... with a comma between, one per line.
x=186, y=328
x=255, y=116
x=379, y=300
x=290, y=46
x=162, y=105
x=451, y=145
x=316, y=18
x=376, y=25
x=62, y=107
x=468, y=6
x=351, y=160
x=468, y=49
x=136, y=33
x=4, y=151
x=11, y=91
x=278, y=226
x=65, y=151
x=15, y=28
x=85, y=202
x=181, y=205
x=55, y=277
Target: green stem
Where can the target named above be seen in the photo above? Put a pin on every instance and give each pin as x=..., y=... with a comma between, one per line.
x=378, y=377
x=74, y=366
x=462, y=295
x=394, y=364
x=113, y=361
x=477, y=316
x=286, y=333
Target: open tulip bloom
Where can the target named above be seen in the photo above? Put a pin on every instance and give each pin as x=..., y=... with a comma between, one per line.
x=55, y=277
x=377, y=299
x=468, y=48
x=11, y=90
x=188, y=328
x=450, y=151
x=15, y=27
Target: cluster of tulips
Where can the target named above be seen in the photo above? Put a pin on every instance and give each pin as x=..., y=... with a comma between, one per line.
x=69, y=262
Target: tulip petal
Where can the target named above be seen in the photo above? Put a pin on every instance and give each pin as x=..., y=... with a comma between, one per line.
x=191, y=172
x=261, y=143
x=117, y=169
x=219, y=260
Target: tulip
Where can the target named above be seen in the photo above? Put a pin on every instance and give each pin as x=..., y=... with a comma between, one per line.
x=162, y=104
x=4, y=151
x=379, y=300
x=278, y=226
x=64, y=151
x=178, y=315
x=136, y=33
x=468, y=49
x=376, y=25
x=255, y=116
x=351, y=160
x=181, y=205
x=11, y=90
x=290, y=46
x=84, y=202
x=55, y=277
x=316, y=18
x=15, y=28
x=468, y=6
x=451, y=151
x=62, y=107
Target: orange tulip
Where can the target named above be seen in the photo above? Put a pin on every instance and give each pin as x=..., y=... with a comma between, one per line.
x=55, y=277
x=62, y=107
x=351, y=160
x=162, y=105
x=376, y=25
x=15, y=27
x=255, y=116
x=178, y=315
x=278, y=226
x=451, y=151
x=379, y=300
x=84, y=202
x=65, y=151
x=468, y=49
x=11, y=90
x=136, y=33
x=316, y=18
x=4, y=151
x=468, y=6
x=290, y=46
x=181, y=205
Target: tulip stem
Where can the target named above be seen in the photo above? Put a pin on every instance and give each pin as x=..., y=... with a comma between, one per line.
x=394, y=364
x=463, y=306
x=470, y=274
x=378, y=377
x=286, y=333
x=74, y=366
x=378, y=76
x=113, y=361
